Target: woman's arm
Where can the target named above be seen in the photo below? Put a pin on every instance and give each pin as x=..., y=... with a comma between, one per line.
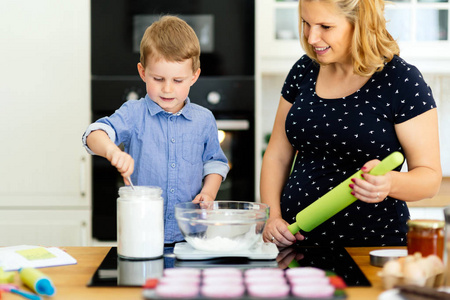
x=419, y=138
x=275, y=169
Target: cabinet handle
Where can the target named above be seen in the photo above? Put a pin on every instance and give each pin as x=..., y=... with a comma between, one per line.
x=83, y=234
x=82, y=177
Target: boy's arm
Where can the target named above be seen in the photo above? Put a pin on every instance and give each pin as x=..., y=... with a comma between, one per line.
x=211, y=185
x=100, y=143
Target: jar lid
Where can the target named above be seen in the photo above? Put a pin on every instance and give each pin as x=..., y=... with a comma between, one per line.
x=138, y=191
x=426, y=224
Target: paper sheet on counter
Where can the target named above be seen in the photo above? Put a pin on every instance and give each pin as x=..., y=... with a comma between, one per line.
x=16, y=257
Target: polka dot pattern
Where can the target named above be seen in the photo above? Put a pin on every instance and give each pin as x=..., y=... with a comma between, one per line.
x=335, y=137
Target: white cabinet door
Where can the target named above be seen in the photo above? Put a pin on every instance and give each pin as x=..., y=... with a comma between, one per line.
x=436, y=213
x=45, y=227
x=277, y=35
x=44, y=103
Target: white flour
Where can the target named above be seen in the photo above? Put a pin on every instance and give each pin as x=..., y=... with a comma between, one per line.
x=140, y=224
x=225, y=244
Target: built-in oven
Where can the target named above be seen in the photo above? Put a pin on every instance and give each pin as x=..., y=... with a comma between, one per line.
x=226, y=84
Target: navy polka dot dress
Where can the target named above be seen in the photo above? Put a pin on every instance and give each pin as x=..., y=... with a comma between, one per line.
x=335, y=137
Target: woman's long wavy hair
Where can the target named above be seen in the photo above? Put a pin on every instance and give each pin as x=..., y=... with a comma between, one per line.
x=372, y=45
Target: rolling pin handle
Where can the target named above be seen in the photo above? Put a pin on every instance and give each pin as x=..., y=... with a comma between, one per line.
x=293, y=228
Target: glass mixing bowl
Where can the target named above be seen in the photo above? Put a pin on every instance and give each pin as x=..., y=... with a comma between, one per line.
x=222, y=226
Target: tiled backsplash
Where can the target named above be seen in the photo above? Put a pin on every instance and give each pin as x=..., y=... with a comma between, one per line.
x=440, y=85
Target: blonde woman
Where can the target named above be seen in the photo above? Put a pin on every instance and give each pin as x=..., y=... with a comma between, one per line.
x=345, y=105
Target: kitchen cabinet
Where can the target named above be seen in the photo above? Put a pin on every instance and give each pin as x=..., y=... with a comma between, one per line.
x=277, y=31
x=421, y=27
x=277, y=35
x=45, y=107
x=419, y=212
x=58, y=227
x=277, y=48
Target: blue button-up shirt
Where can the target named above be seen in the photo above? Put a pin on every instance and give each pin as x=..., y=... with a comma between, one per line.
x=172, y=151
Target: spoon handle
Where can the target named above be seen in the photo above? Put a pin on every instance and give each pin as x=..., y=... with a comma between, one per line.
x=131, y=183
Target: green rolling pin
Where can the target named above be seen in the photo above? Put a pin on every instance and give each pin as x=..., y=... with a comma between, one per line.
x=338, y=198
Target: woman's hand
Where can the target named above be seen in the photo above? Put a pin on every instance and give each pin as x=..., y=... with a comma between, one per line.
x=373, y=188
x=277, y=232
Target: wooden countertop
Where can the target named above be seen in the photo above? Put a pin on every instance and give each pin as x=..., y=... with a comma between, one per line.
x=70, y=281
x=442, y=199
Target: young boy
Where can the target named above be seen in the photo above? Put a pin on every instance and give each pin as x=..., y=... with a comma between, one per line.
x=173, y=141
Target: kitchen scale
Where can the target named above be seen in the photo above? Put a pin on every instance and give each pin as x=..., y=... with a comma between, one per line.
x=260, y=251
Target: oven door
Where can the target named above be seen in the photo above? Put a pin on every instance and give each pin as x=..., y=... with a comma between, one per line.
x=237, y=142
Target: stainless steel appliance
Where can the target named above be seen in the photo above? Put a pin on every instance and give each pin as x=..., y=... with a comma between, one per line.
x=226, y=84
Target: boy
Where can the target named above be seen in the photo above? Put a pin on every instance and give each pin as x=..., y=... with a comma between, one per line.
x=173, y=141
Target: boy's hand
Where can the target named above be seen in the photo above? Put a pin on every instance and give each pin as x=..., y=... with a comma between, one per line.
x=211, y=184
x=202, y=197
x=122, y=161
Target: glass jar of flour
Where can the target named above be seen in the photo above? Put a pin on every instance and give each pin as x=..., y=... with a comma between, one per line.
x=140, y=222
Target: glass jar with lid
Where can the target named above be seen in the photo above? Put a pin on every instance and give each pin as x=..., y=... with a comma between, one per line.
x=140, y=222
x=426, y=236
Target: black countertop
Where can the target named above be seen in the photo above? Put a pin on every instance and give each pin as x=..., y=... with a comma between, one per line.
x=115, y=271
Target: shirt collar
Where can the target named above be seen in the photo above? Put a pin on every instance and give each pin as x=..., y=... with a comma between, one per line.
x=154, y=108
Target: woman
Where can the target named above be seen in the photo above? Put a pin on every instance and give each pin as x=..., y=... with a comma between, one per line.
x=345, y=105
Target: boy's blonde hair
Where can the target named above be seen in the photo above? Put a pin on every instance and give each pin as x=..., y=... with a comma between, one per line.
x=172, y=39
x=372, y=45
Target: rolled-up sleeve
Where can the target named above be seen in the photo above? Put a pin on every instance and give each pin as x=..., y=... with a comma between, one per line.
x=214, y=159
x=216, y=167
x=98, y=126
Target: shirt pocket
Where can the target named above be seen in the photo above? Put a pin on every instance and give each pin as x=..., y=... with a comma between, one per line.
x=192, y=149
